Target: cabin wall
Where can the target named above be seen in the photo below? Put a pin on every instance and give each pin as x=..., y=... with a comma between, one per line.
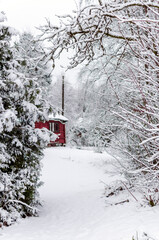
x=42, y=125
x=58, y=128
x=60, y=132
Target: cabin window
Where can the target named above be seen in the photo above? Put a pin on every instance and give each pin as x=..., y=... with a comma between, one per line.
x=51, y=126
x=56, y=127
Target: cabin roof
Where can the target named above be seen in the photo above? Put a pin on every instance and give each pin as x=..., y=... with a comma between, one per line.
x=57, y=117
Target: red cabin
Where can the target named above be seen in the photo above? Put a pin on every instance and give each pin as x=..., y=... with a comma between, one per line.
x=55, y=124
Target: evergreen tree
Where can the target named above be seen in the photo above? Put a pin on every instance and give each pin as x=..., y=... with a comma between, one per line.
x=33, y=61
x=21, y=144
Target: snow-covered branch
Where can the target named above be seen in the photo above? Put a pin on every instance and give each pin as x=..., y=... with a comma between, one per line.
x=86, y=31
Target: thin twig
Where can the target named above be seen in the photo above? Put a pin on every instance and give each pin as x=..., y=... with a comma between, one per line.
x=129, y=191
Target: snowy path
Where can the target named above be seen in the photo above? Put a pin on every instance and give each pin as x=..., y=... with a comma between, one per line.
x=73, y=207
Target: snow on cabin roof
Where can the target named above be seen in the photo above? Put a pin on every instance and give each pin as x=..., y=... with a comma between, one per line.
x=57, y=117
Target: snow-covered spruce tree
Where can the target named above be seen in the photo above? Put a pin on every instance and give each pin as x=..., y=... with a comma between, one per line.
x=33, y=61
x=21, y=144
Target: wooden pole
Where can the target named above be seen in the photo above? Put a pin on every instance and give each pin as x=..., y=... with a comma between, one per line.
x=63, y=96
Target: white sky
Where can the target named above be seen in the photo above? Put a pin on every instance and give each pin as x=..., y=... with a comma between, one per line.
x=24, y=15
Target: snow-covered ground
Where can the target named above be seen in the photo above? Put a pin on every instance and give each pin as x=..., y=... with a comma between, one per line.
x=74, y=206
